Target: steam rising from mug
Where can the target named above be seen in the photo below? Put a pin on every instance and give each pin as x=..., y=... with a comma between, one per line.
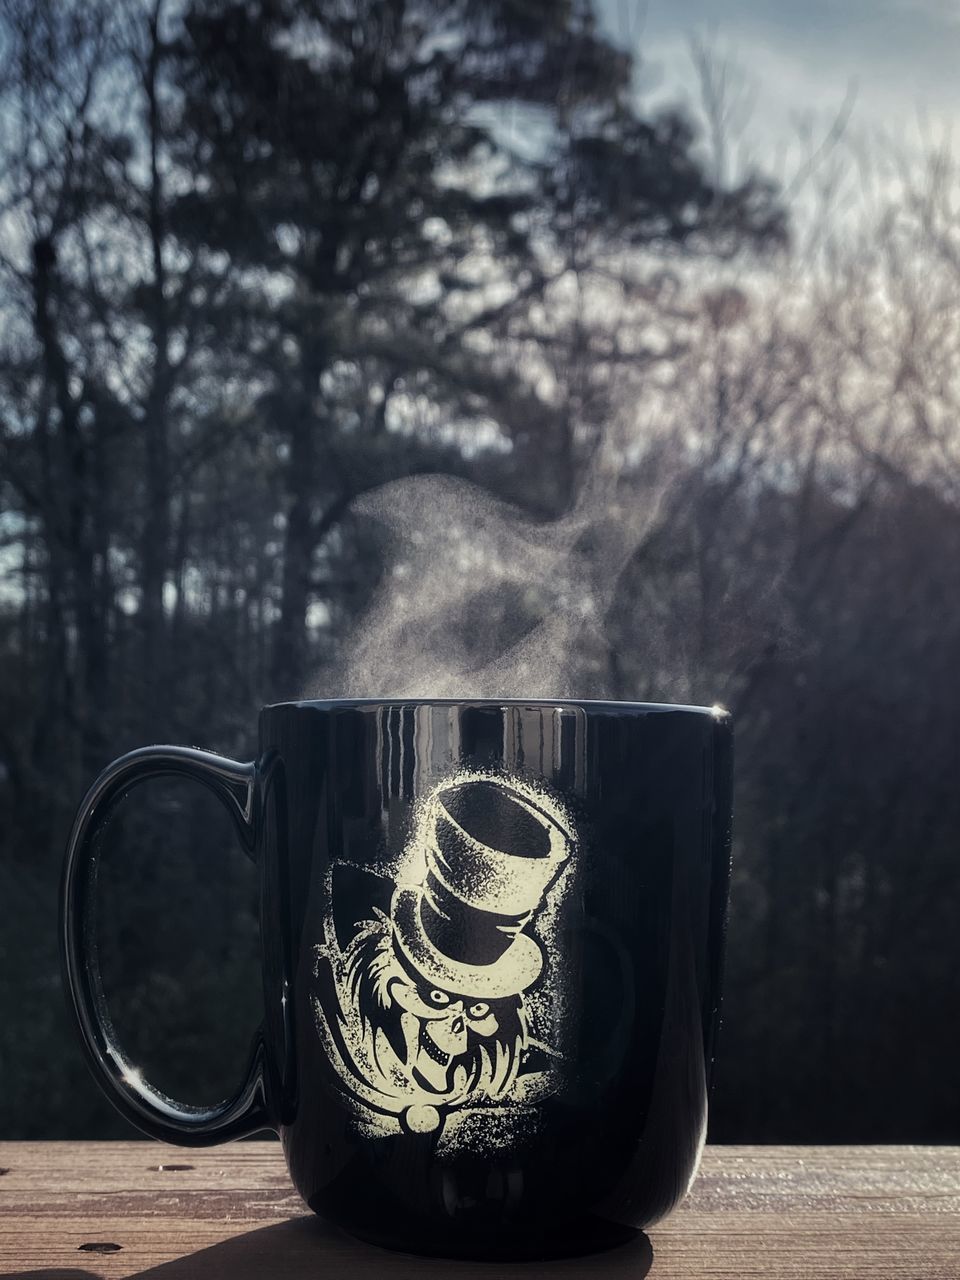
x=479, y=600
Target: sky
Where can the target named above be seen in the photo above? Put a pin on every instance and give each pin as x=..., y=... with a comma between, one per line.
x=896, y=60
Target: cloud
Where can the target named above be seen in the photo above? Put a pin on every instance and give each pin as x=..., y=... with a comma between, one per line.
x=899, y=54
x=944, y=11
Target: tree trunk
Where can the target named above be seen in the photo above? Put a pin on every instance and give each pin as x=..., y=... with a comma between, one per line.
x=289, y=665
x=71, y=570
x=290, y=642
x=155, y=541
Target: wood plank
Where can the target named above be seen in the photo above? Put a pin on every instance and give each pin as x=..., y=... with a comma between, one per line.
x=820, y=1213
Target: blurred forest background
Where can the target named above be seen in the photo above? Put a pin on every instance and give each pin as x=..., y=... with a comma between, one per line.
x=259, y=258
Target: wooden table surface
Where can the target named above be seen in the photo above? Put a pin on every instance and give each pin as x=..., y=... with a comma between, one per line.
x=75, y=1211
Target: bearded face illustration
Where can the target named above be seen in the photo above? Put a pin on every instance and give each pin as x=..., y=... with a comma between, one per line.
x=432, y=992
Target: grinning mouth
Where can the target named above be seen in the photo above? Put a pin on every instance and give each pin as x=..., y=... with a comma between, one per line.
x=433, y=1050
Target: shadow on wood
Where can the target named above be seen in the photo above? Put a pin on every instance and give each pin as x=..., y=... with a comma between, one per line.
x=49, y=1273
x=307, y=1247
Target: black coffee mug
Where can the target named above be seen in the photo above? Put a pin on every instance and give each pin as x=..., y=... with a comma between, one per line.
x=492, y=937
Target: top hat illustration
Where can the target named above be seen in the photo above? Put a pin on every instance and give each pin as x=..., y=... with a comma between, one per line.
x=491, y=854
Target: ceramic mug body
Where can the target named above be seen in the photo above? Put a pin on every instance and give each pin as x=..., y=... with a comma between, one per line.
x=492, y=940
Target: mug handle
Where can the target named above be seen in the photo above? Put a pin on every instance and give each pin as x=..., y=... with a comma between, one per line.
x=144, y=1105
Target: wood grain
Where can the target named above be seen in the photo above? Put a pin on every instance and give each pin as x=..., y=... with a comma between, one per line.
x=821, y=1213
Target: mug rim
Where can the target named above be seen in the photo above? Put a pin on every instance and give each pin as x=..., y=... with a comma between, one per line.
x=716, y=712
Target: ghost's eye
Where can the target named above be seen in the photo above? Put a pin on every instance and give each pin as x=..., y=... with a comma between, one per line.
x=439, y=997
x=478, y=1010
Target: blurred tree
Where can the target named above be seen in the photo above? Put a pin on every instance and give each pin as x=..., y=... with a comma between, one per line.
x=256, y=259
x=407, y=180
